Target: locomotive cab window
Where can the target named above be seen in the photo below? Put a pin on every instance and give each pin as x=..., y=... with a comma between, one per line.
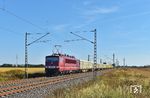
x=52, y=59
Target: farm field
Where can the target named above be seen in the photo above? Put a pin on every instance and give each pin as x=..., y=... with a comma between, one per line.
x=115, y=84
x=9, y=73
x=30, y=70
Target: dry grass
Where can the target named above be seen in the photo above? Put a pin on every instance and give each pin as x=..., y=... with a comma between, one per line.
x=8, y=73
x=11, y=75
x=114, y=84
x=30, y=70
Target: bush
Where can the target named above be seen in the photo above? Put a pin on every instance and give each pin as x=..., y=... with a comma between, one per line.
x=13, y=74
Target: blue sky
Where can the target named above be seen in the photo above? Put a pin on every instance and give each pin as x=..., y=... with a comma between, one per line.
x=122, y=28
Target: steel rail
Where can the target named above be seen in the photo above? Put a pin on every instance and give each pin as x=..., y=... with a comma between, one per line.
x=6, y=91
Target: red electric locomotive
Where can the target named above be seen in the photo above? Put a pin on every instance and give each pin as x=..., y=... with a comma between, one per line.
x=58, y=64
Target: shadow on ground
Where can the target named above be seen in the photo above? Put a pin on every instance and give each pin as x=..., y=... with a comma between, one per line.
x=35, y=75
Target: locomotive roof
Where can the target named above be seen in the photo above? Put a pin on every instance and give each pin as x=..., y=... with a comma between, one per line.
x=65, y=55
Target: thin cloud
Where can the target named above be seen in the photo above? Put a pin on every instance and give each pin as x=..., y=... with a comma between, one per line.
x=128, y=16
x=60, y=27
x=90, y=15
x=99, y=10
x=86, y=3
x=88, y=20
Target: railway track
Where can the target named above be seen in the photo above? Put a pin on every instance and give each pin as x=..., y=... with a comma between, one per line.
x=29, y=86
x=19, y=86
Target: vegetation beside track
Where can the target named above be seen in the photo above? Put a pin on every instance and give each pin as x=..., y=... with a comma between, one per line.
x=9, y=73
x=30, y=70
x=114, y=84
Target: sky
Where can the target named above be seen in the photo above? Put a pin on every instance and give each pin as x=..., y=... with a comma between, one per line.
x=123, y=28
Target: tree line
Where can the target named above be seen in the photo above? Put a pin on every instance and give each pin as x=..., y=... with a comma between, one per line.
x=22, y=65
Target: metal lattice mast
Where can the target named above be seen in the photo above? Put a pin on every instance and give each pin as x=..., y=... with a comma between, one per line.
x=26, y=51
x=124, y=62
x=16, y=60
x=88, y=57
x=94, y=42
x=95, y=49
x=95, y=53
x=26, y=55
x=113, y=60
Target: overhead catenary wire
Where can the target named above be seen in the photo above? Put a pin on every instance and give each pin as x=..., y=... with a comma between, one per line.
x=9, y=30
x=23, y=19
x=82, y=37
x=38, y=39
x=95, y=48
x=3, y=4
x=43, y=41
x=73, y=40
x=26, y=50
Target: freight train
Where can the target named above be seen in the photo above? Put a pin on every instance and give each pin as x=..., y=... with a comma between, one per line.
x=61, y=64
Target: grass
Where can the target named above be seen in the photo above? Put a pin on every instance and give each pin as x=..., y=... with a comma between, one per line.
x=7, y=74
x=114, y=84
x=30, y=70
x=11, y=75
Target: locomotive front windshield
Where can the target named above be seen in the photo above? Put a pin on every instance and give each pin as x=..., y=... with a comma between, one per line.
x=52, y=61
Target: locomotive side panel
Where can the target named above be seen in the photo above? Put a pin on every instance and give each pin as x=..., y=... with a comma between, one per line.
x=59, y=64
x=70, y=64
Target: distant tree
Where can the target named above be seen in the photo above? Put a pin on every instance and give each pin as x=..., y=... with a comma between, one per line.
x=113, y=65
x=22, y=65
x=104, y=63
x=7, y=65
x=35, y=65
x=146, y=66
